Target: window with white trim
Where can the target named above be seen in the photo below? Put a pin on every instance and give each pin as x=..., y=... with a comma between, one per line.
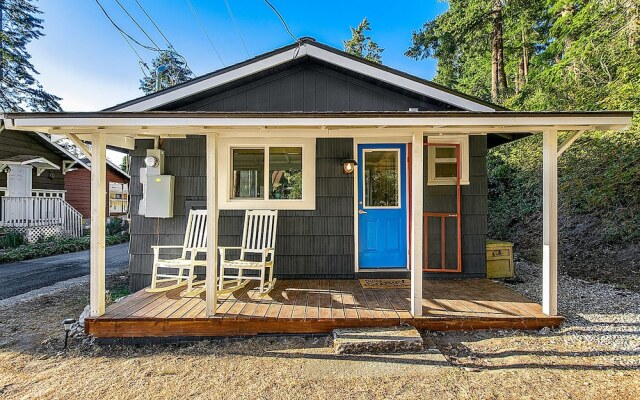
x=266, y=173
x=442, y=168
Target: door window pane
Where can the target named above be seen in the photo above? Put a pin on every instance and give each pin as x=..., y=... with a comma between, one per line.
x=381, y=176
x=248, y=173
x=285, y=172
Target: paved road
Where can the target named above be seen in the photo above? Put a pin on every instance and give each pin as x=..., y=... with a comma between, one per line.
x=23, y=276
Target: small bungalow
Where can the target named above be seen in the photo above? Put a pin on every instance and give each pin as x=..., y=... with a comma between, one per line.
x=369, y=172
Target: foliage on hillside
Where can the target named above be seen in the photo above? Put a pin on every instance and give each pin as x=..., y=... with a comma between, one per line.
x=555, y=55
x=598, y=175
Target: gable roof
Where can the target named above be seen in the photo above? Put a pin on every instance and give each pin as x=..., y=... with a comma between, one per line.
x=307, y=47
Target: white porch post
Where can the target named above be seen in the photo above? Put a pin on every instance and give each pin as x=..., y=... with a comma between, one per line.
x=550, y=223
x=417, y=181
x=98, y=234
x=212, y=226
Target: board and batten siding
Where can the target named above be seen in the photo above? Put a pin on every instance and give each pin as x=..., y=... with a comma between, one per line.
x=78, y=186
x=15, y=143
x=310, y=243
x=474, y=210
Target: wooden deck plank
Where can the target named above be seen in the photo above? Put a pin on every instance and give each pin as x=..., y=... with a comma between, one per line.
x=324, y=300
x=349, y=306
x=318, y=306
x=312, y=300
x=300, y=308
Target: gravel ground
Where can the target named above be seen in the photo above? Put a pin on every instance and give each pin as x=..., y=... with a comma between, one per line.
x=595, y=312
x=595, y=355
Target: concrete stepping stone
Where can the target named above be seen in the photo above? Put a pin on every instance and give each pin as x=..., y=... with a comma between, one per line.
x=398, y=339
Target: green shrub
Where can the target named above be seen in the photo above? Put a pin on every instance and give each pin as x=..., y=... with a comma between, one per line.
x=11, y=240
x=54, y=247
x=598, y=175
x=116, y=226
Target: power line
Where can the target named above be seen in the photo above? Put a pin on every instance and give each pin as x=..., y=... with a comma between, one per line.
x=284, y=23
x=137, y=24
x=134, y=40
x=235, y=26
x=155, y=25
x=195, y=14
x=171, y=47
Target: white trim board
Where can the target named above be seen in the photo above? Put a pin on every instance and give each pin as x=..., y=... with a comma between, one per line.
x=310, y=50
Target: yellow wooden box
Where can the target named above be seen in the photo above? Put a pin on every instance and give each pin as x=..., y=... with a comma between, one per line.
x=499, y=259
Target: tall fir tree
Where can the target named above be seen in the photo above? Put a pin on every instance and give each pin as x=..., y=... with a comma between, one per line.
x=362, y=45
x=175, y=72
x=19, y=89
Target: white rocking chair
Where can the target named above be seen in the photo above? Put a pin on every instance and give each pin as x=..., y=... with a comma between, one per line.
x=258, y=237
x=182, y=268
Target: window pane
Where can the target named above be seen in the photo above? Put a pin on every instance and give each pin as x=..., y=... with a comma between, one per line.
x=248, y=173
x=381, y=178
x=446, y=170
x=285, y=172
x=445, y=152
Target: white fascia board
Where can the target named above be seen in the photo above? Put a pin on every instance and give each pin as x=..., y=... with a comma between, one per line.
x=216, y=80
x=312, y=51
x=396, y=80
x=104, y=123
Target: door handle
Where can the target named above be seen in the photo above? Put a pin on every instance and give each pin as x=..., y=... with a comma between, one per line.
x=362, y=212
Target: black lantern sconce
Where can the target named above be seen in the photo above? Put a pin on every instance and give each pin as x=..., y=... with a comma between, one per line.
x=349, y=165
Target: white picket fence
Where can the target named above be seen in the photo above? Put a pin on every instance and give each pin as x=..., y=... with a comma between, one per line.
x=28, y=212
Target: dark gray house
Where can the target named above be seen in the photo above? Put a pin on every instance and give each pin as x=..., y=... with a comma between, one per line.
x=374, y=173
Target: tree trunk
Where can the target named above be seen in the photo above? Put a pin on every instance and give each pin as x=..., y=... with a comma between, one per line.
x=498, y=75
x=523, y=67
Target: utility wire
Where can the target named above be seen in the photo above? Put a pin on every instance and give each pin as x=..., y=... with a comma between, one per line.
x=134, y=40
x=235, y=26
x=155, y=25
x=284, y=23
x=171, y=47
x=195, y=14
x=137, y=24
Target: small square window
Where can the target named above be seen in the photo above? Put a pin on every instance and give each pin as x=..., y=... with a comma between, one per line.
x=442, y=160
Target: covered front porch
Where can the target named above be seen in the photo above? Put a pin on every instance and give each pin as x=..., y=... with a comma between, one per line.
x=427, y=304
x=319, y=306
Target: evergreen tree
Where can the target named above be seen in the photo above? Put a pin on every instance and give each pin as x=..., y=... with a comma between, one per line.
x=19, y=90
x=175, y=72
x=362, y=45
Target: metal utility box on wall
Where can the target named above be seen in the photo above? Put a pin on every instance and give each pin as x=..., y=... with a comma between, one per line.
x=159, y=196
x=499, y=259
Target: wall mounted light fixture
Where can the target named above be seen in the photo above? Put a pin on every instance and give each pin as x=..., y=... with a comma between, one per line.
x=349, y=165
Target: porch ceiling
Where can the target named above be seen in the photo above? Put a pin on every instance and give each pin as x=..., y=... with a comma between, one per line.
x=128, y=126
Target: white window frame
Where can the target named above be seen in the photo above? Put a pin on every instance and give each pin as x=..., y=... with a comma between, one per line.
x=225, y=168
x=463, y=141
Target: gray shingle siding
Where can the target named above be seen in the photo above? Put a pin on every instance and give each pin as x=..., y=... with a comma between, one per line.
x=317, y=243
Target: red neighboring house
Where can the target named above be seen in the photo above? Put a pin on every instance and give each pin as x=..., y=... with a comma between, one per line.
x=77, y=183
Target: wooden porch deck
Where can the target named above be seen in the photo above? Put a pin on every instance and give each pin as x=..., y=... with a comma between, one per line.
x=318, y=306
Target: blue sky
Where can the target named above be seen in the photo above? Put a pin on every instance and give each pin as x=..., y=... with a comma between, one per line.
x=84, y=60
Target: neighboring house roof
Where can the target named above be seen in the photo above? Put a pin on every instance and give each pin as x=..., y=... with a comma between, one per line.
x=307, y=47
x=111, y=165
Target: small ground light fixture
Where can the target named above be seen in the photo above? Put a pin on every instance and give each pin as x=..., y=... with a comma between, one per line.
x=67, y=324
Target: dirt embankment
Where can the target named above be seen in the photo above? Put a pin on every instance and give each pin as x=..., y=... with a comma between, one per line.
x=585, y=251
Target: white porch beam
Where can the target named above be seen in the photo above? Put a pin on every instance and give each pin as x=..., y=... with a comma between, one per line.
x=550, y=223
x=98, y=217
x=212, y=227
x=569, y=141
x=417, y=181
x=80, y=144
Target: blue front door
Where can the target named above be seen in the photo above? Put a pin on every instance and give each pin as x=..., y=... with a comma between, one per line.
x=382, y=206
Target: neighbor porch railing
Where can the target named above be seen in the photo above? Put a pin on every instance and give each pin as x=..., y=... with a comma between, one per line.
x=25, y=212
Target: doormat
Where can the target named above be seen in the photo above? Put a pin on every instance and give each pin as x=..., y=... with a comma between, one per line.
x=385, y=283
